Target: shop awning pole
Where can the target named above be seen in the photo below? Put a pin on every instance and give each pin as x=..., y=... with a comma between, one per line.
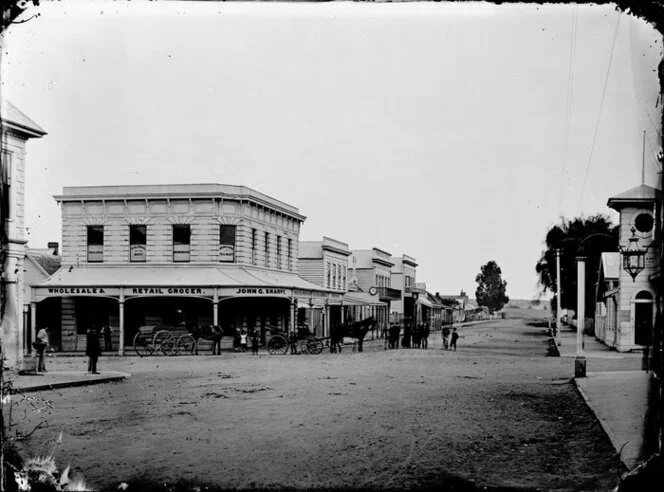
x=121, y=302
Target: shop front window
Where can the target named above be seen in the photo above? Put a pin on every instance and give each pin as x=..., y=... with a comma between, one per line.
x=181, y=243
x=95, y=244
x=137, y=243
x=227, y=243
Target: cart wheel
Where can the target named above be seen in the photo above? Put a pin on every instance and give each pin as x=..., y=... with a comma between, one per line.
x=277, y=345
x=185, y=345
x=142, y=345
x=315, y=346
x=163, y=342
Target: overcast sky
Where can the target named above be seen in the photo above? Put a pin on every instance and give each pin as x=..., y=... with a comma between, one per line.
x=431, y=129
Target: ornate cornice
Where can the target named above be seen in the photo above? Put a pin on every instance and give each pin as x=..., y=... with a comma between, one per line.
x=95, y=220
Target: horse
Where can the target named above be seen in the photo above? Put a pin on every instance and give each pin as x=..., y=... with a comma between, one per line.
x=213, y=333
x=349, y=329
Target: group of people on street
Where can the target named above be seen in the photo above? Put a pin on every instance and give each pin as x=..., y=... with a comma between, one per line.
x=92, y=348
x=242, y=338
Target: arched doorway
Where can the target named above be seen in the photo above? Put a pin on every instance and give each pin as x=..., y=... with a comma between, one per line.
x=643, y=317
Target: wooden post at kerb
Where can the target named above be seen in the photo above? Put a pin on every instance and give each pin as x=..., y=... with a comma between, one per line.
x=215, y=308
x=33, y=321
x=580, y=362
x=559, y=310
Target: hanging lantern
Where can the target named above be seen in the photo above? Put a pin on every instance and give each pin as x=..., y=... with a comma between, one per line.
x=634, y=258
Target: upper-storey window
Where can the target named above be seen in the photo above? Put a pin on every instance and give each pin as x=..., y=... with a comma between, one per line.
x=279, y=252
x=181, y=243
x=253, y=246
x=95, y=243
x=227, y=243
x=6, y=176
x=290, y=254
x=137, y=243
x=267, y=248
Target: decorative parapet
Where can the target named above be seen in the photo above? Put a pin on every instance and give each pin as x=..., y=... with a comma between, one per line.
x=408, y=260
x=382, y=257
x=340, y=247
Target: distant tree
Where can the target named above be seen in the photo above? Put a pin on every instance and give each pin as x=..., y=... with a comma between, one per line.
x=579, y=236
x=491, y=288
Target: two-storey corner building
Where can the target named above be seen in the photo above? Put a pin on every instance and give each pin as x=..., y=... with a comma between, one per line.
x=324, y=263
x=175, y=255
x=16, y=129
x=630, y=305
x=371, y=269
x=403, y=275
x=39, y=265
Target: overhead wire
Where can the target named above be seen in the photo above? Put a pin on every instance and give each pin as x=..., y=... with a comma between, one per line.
x=568, y=106
x=601, y=106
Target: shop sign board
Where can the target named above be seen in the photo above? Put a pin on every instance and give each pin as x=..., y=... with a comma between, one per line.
x=169, y=291
x=137, y=252
x=227, y=253
x=95, y=252
x=254, y=292
x=310, y=293
x=42, y=293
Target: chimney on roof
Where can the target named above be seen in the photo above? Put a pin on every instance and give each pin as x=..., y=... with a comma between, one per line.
x=54, y=246
x=462, y=293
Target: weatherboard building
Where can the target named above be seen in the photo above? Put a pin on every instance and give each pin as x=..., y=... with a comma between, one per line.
x=173, y=256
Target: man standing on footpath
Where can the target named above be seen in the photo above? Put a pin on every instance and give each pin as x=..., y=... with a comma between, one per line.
x=40, y=346
x=92, y=349
x=254, y=342
x=107, y=331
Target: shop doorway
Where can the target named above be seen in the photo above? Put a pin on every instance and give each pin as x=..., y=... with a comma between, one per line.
x=643, y=318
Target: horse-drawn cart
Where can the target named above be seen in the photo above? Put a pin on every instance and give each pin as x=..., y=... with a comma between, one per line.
x=306, y=342
x=156, y=340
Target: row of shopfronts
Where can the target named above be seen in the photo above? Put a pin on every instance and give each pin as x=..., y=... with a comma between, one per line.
x=244, y=269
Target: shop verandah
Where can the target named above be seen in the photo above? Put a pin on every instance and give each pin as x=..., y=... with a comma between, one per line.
x=169, y=297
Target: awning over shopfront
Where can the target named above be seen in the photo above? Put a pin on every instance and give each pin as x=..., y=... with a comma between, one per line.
x=424, y=302
x=173, y=280
x=361, y=299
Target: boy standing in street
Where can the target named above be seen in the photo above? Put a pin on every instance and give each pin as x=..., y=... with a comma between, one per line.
x=446, y=337
x=455, y=337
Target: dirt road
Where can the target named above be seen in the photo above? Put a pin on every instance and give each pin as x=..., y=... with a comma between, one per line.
x=496, y=413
